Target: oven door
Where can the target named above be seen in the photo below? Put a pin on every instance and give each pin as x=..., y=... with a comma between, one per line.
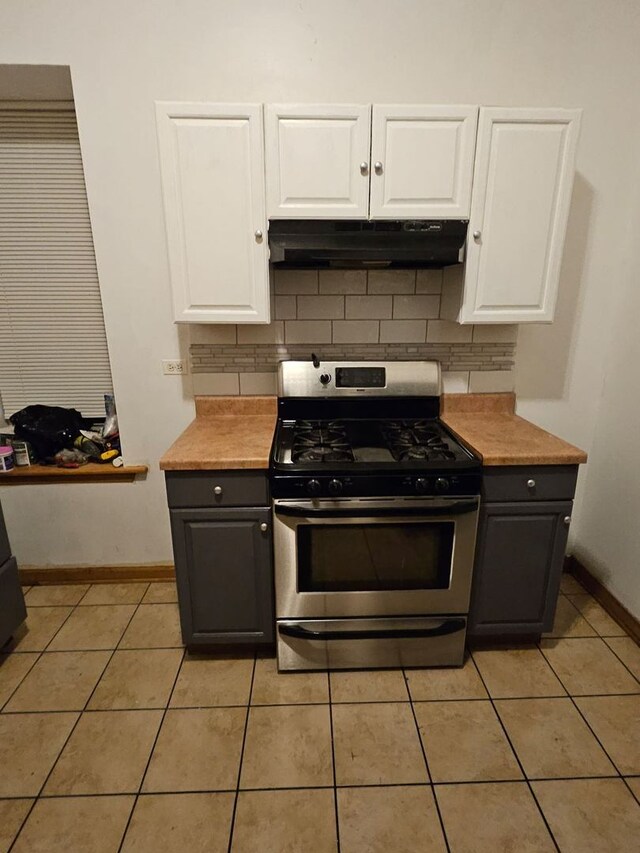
x=374, y=557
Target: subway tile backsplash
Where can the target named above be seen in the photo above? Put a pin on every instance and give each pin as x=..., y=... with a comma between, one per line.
x=352, y=314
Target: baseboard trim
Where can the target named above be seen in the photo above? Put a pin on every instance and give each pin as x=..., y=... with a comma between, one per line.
x=34, y=575
x=614, y=608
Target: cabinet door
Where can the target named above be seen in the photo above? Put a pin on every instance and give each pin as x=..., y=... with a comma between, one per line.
x=12, y=607
x=518, y=564
x=525, y=160
x=422, y=161
x=211, y=158
x=317, y=161
x=224, y=575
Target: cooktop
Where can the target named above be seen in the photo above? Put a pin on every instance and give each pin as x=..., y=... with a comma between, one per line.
x=368, y=443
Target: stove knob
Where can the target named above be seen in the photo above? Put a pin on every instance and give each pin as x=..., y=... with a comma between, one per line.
x=422, y=485
x=325, y=378
x=442, y=484
x=335, y=487
x=314, y=487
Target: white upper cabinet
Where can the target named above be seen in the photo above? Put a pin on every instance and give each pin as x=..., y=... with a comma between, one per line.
x=211, y=158
x=522, y=186
x=317, y=161
x=422, y=161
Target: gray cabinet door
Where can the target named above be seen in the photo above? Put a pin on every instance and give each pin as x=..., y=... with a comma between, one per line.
x=224, y=575
x=519, y=560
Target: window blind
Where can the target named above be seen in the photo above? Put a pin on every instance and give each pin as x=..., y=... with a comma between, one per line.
x=53, y=348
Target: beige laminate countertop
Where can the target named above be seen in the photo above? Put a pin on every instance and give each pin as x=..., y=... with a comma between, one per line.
x=227, y=433
x=237, y=432
x=488, y=425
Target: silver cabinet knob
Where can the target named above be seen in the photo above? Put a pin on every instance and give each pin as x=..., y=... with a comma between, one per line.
x=258, y=234
x=217, y=490
x=531, y=484
x=378, y=167
x=567, y=520
x=364, y=168
x=264, y=527
x=477, y=235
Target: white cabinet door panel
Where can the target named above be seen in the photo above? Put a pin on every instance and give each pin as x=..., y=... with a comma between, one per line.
x=212, y=165
x=523, y=179
x=314, y=155
x=422, y=161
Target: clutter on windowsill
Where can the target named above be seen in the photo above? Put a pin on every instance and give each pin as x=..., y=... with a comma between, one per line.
x=92, y=472
x=53, y=444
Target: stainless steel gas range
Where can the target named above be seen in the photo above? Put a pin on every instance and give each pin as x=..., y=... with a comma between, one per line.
x=375, y=514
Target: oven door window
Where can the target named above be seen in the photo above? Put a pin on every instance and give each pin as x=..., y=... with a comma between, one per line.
x=368, y=557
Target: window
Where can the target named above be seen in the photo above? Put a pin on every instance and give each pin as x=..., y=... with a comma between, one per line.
x=53, y=347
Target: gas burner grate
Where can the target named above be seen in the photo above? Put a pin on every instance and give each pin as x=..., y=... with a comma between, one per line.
x=419, y=451
x=321, y=441
x=420, y=440
x=323, y=453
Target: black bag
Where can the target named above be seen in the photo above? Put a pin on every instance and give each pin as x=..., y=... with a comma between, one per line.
x=48, y=428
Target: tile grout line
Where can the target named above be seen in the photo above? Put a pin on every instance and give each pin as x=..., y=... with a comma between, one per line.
x=426, y=761
x=20, y=682
x=588, y=724
x=622, y=662
x=548, y=635
x=517, y=757
x=106, y=604
x=465, y=783
x=85, y=593
x=604, y=640
x=73, y=727
x=635, y=795
x=597, y=633
x=153, y=746
x=333, y=764
x=281, y=704
x=232, y=823
x=571, y=595
x=60, y=627
x=293, y=704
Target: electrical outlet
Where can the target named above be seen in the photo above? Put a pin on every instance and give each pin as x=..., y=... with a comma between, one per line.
x=173, y=367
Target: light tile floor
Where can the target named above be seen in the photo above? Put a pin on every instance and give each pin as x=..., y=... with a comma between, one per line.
x=112, y=738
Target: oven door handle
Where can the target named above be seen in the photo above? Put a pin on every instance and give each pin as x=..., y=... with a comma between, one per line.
x=450, y=626
x=300, y=511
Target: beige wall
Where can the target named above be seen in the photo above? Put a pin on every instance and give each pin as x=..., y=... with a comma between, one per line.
x=124, y=55
x=607, y=529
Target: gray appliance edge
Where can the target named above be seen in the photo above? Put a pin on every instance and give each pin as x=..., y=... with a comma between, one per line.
x=13, y=611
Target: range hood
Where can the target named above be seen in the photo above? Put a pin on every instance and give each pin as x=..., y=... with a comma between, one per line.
x=356, y=243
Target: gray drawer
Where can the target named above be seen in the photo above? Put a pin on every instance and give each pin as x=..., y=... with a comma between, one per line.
x=529, y=483
x=200, y=488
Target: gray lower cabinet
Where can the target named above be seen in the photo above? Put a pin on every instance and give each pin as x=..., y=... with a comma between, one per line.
x=522, y=537
x=223, y=559
x=12, y=607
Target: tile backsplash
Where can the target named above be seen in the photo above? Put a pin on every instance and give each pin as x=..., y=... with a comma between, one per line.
x=351, y=314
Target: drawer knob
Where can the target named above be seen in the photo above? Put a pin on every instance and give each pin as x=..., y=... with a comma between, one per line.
x=217, y=490
x=567, y=520
x=531, y=484
x=477, y=235
x=264, y=527
x=378, y=167
x=364, y=168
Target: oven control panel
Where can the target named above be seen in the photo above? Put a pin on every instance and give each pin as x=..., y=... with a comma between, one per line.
x=344, y=486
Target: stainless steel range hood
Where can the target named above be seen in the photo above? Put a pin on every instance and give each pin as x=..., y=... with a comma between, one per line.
x=354, y=243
